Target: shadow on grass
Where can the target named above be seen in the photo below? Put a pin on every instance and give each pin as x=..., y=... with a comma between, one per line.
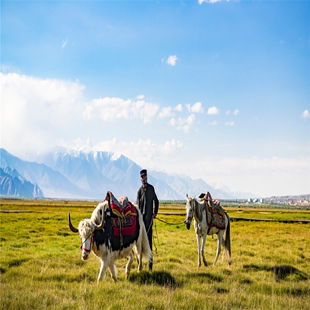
x=2, y=270
x=17, y=262
x=280, y=272
x=220, y=290
x=161, y=278
x=84, y=277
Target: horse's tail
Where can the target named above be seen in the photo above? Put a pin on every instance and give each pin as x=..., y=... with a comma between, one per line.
x=227, y=239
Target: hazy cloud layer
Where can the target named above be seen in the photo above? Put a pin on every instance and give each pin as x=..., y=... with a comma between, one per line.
x=38, y=114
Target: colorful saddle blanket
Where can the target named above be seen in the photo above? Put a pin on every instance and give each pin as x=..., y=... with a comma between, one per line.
x=124, y=215
x=216, y=214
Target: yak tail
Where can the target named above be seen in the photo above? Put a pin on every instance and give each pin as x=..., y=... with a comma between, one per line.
x=227, y=243
x=145, y=246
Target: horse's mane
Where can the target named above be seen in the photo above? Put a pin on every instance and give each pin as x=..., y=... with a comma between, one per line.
x=198, y=207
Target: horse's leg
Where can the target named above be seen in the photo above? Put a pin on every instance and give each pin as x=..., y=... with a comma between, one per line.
x=219, y=242
x=102, y=271
x=204, y=237
x=129, y=263
x=113, y=272
x=199, y=259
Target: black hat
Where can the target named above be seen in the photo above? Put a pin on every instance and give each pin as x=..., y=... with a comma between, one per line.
x=143, y=172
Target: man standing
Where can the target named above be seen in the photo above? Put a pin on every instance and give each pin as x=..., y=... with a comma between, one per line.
x=148, y=204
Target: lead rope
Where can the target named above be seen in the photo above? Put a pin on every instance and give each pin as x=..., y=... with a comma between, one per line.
x=154, y=238
x=168, y=222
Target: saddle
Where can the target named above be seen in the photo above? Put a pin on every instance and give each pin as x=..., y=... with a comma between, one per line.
x=214, y=211
x=124, y=215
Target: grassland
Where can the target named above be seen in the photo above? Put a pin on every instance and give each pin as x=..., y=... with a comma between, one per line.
x=41, y=267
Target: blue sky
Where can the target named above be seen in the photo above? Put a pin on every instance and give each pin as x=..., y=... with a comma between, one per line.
x=218, y=91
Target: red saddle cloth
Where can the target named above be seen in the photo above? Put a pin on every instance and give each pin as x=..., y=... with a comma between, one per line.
x=124, y=215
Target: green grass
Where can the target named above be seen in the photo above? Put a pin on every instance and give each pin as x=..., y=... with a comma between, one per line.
x=41, y=266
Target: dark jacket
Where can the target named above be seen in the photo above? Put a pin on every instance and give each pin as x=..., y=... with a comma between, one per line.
x=145, y=198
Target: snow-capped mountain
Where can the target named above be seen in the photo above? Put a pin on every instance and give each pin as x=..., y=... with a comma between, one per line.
x=80, y=175
x=12, y=184
x=98, y=172
x=52, y=183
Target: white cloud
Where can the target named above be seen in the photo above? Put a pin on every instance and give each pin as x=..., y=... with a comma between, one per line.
x=196, y=108
x=76, y=145
x=179, y=108
x=190, y=119
x=172, y=60
x=165, y=112
x=236, y=112
x=64, y=43
x=229, y=123
x=213, y=111
x=185, y=128
x=144, y=152
x=172, y=122
x=110, y=109
x=227, y=112
x=305, y=114
x=140, y=97
x=35, y=112
x=213, y=123
x=183, y=123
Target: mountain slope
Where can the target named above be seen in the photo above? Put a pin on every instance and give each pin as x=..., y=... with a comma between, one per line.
x=14, y=185
x=90, y=175
x=79, y=169
x=52, y=183
x=98, y=172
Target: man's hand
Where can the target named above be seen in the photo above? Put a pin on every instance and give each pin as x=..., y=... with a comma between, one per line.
x=154, y=215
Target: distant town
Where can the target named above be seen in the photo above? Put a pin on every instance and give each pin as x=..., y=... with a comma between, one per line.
x=300, y=200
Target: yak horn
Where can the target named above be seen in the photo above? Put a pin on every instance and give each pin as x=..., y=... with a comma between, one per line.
x=100, y=226
x=73, y=229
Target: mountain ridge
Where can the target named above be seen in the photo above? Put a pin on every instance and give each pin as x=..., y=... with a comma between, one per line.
x=12, y=184
x=81, y=175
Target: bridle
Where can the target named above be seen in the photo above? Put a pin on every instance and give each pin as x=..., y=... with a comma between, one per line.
x=193, y=207
x=189, y=218
x=91, y=236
